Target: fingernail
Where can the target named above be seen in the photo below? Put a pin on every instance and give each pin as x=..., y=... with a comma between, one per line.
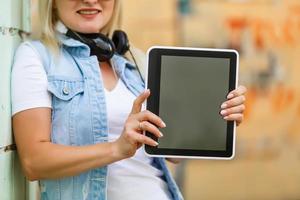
x=163, y=124
x=156, y=143
x=225, y=118
x=224, y=105
x=160, y=134
x=223, y=112
x=229, y=96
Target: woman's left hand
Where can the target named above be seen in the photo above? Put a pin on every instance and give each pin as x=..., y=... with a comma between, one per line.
x=233, y=108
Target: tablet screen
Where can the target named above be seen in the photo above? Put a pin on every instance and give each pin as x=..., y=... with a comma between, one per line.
x=188, y=106
x=188, y=86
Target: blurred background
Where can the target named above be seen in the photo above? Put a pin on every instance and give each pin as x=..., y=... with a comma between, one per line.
x=267, y=35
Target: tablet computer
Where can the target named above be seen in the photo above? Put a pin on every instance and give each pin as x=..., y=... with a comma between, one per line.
x=188, y=86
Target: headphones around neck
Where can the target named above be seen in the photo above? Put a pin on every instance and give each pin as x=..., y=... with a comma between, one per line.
x=102, y=46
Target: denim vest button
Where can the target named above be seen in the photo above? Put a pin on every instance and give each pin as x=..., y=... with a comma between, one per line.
x=66, y=91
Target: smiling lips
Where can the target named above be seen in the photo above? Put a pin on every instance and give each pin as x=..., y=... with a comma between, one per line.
x=88, y=13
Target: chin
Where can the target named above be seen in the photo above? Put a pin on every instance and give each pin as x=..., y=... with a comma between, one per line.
x=89, y=30
x=86, y=27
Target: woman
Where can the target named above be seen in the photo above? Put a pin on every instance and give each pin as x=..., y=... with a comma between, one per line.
x=77, y=118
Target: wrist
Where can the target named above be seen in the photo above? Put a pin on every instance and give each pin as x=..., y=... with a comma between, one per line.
x=116, y=152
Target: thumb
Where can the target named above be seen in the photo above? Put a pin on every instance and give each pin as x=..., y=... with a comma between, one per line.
x=137, y=104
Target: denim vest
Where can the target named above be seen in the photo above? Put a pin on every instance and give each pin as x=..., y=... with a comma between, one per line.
x=79, y=115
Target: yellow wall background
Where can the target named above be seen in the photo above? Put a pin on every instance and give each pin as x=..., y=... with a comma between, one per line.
x=266, y=33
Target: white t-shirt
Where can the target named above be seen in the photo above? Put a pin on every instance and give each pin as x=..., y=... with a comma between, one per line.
x=29, y=80
x=135, y=177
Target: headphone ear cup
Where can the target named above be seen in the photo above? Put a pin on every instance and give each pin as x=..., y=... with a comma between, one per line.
x=121, y=42
x=103, y=48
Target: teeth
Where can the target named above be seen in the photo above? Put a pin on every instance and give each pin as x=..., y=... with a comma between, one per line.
x=88, y=12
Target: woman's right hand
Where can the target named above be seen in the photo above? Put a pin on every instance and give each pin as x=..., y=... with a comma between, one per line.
x=138, y=121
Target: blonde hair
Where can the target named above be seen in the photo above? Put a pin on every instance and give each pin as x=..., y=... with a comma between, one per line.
x=45, y=29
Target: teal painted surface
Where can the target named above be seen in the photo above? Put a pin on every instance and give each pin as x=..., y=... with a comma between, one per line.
x=26, y=15
x=10, y=16
x=12, y=182
x=32, y=190
x=7, y=47
x=13, y=185
x=11, y=13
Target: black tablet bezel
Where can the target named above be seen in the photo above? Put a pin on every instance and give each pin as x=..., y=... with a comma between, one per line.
x=153, y=83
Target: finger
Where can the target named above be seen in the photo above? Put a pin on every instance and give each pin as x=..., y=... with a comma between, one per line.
x=174, y=160
x=146, y=115
x=235, y=117
x=139, y=138
x=234, y=102
x=146, y=126
x=234, y=110
x=237, y=92
x=137, y=104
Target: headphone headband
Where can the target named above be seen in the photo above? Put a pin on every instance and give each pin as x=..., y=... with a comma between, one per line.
x=101, y=46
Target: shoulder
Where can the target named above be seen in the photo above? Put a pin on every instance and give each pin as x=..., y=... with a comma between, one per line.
x=26, y=59
x=26, y=51
x=28, y=80
x=32, y=52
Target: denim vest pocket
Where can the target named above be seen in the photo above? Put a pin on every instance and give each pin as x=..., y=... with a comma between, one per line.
x=65, y=88
x=66, y=95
